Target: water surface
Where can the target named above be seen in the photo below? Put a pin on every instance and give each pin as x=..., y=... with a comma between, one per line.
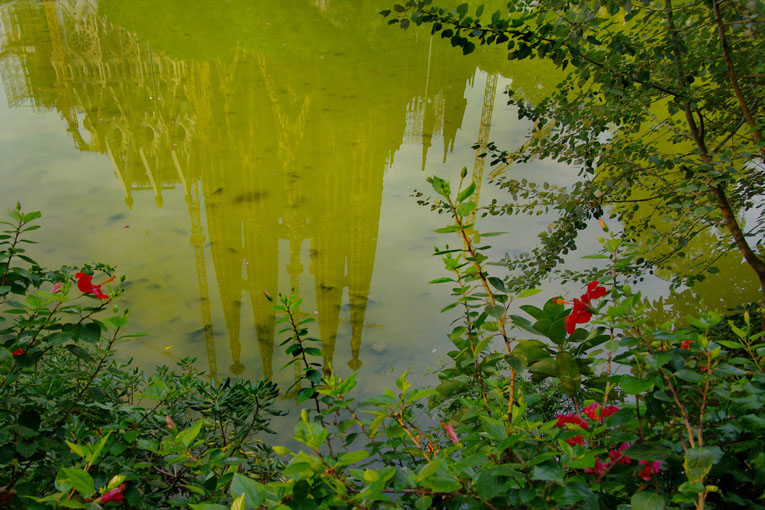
x=216, y=150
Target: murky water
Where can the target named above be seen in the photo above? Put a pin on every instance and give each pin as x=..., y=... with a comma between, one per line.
x=216, y=150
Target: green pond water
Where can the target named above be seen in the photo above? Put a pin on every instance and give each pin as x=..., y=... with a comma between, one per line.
x=214, y=150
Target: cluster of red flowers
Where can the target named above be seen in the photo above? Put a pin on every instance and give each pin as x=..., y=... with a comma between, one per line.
x=581, y=313
x=597, y=413
x=592, y=411
x=85, y=284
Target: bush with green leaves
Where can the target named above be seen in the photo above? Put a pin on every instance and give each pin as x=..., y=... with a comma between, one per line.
x=80, y=429
x=659, y=110
x=660, y=418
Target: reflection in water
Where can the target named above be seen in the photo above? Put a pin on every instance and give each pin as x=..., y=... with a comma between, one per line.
x=272, y=168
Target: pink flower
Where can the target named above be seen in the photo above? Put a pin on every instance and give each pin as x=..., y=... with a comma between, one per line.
x=56, y=288
x=571, y=418
x=576, y=440
x=450, y=431
x=649, y=468
x=85, y=284
x=600, y=467
x=113, y=495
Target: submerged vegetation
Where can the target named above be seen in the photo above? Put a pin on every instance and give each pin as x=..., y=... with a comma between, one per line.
x=579, y=402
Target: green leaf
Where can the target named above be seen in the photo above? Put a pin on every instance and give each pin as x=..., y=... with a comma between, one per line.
x=496, y=311
x=187, y=436
x=346, y=459
x=312, y=351
x=238, y=503
x=207, y=506
x=467, y=192
x=549, y=471
x=247, y=488
x=647, y=451
x=442, y=482
x=646, y=501
x=77, y=479
x=93, y=457
x=465, y=208
x=698, y=462
x=77, y=449
x=689, y=375
x=304, y=394
x=79, y=352
x=497, y=283
x=493, y=427
x=528, y=293
x=429, y=468
x=90, y=332
x=632, y=385
x=440, y=186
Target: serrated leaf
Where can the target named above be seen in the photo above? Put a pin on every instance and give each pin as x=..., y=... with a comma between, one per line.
x=697, y=463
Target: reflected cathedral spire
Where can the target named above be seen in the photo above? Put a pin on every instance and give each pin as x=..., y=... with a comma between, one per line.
x=274, y=173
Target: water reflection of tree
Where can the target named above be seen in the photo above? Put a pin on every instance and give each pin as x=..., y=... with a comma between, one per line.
x=263, y=158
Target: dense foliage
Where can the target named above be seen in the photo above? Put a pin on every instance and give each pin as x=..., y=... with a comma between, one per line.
x=660, y=110
x=577, y=403
x=79, y=428
x=649, y=418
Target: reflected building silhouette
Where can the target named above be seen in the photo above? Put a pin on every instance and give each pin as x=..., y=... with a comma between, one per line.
x=265, y=164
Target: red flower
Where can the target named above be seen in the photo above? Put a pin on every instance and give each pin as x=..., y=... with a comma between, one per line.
x=686, y=344
x=600, y=467
x=571, y=418
x=113, y=495
x=18, y=352
x=594, y=291
x=592, y=411
x=596, y=413
x=619, y=457
x=581, y=313
x=85, y=284
x=649, y=468
x=576, y=440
